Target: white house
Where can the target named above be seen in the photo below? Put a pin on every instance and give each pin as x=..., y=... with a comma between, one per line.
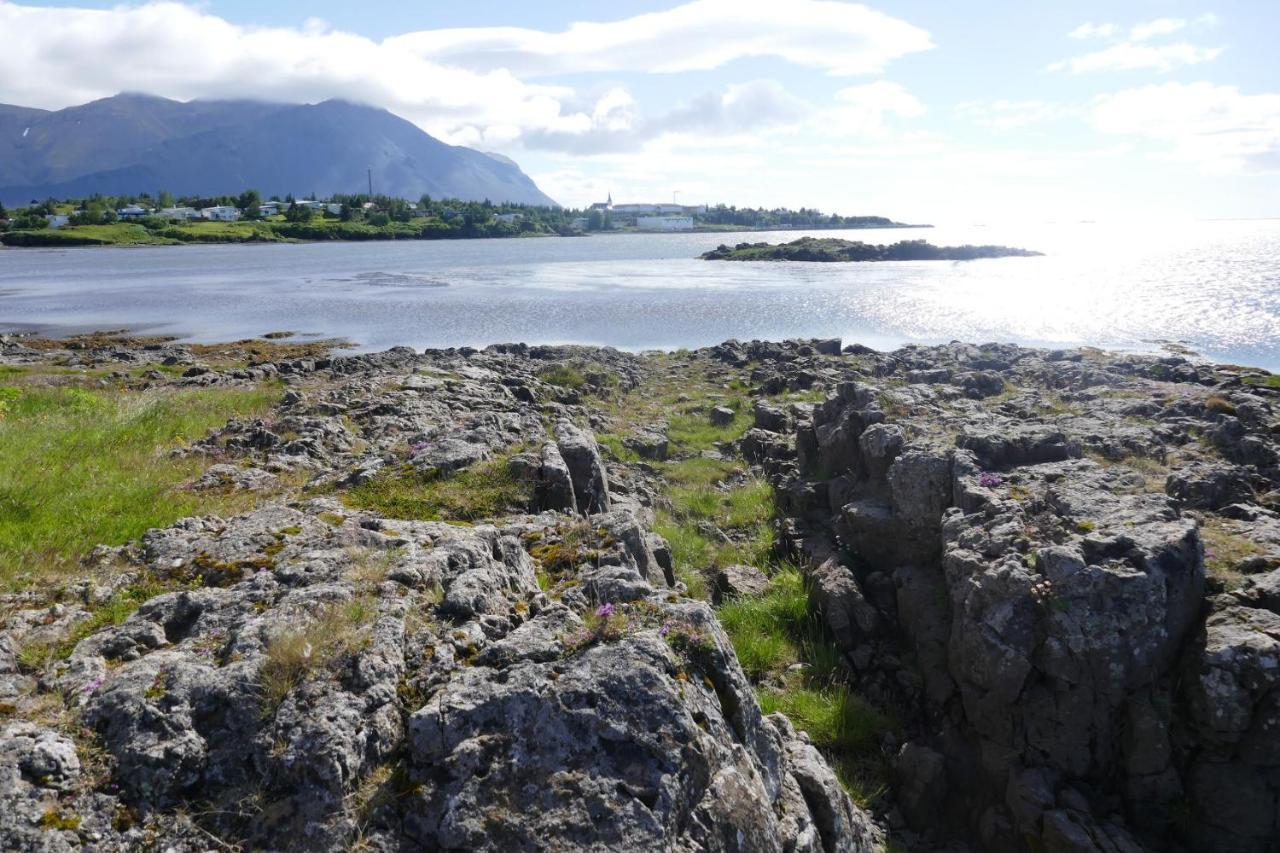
x=131, y=212
x=220, y=213
x=507, y=217
x=664, y=223
x=334, y=208
x=57, y=220
x=183, y=213
x=270, y=208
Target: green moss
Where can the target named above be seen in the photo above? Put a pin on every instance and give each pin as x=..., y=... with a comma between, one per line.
x=483, y=490
x=56, y=819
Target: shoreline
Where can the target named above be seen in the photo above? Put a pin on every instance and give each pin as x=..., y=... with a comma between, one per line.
x=394, y=238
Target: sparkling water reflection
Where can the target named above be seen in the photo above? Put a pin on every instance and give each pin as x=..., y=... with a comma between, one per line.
x=1214, y=285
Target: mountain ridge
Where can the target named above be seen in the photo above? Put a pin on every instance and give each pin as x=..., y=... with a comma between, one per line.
x=131, y=143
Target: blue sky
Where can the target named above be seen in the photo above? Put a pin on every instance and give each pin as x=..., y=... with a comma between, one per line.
x=933, y=111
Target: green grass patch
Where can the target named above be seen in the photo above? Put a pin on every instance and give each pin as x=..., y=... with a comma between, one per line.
x=80, y=468
x=1224, y=550
x=484, y=490
x=845, y=727
x=564, y=375
x=775, y=631
x=114, y=234
x=222, y=232
x=1268, y=381
x=612, y=442
x=768, y=632
x=35, y=656
x=691, y=428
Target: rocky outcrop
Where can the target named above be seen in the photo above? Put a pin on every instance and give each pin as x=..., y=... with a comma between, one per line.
x=1016, y=570
x=833, y=250
x=1062, y=568
x=310, y=676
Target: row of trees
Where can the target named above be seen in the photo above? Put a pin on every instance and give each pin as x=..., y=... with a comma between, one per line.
x=805, y=217
x=382, y=210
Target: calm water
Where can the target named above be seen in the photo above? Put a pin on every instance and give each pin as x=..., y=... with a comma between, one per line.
x=1213, y=285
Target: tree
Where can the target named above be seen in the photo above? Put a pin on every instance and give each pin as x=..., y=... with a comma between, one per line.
x=4, y=214
x=164, y=198
x=595, y=220
x=248, y=199
x=298, y=213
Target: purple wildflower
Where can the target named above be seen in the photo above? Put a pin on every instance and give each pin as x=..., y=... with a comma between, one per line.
x=605, y=610
x=95, y=684
x=418, y=447
x=989, y=481
x=665, y=629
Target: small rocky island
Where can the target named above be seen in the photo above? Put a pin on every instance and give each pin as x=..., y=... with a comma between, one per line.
x=795, y=596
x=834, y=250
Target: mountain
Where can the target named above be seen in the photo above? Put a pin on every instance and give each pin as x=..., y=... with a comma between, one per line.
x=133, y=143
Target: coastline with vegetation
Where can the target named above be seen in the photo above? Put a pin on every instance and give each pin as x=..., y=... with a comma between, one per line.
x=835, y=250
x=163, y=220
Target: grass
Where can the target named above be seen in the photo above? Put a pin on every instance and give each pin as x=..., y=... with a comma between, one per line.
x=712, y=516
x=114, y=234
x=1269, y=380
x=1224, y=550
x=80, y=468
x=483, y=490
x=767, y=632
x=339, y=630
x=691, y=429
x=564, y=375
x=709, y=526
x=775, y=631
x=1220, y=404
x=845, y=727
x=37, y=655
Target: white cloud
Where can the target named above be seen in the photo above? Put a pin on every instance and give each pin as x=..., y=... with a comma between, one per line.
x=615, y=123
x=1007, y=115
x=1134, y=52
x=54, y=57
x=1158, y=27
x=840, y=38
x=1128, y=56
x=473, y=86
x=1091, y=30
x=1217, y=127
x=862, y=110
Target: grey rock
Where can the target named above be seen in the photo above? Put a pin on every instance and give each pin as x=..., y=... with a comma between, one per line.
x=555, y=490
x=722, y=415
x=586, y=469
x=740, y=582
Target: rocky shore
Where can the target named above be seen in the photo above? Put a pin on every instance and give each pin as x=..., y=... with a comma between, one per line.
x=1055, y=570
x=834, y=250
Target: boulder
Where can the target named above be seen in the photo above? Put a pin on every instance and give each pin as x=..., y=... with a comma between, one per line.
x=722, y=416
x=586, y=469
x=740, y=582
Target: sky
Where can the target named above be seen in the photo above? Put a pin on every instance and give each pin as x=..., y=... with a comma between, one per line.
x=923, y=110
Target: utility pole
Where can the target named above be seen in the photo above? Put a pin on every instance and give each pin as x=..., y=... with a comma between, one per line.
x=370, y=182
